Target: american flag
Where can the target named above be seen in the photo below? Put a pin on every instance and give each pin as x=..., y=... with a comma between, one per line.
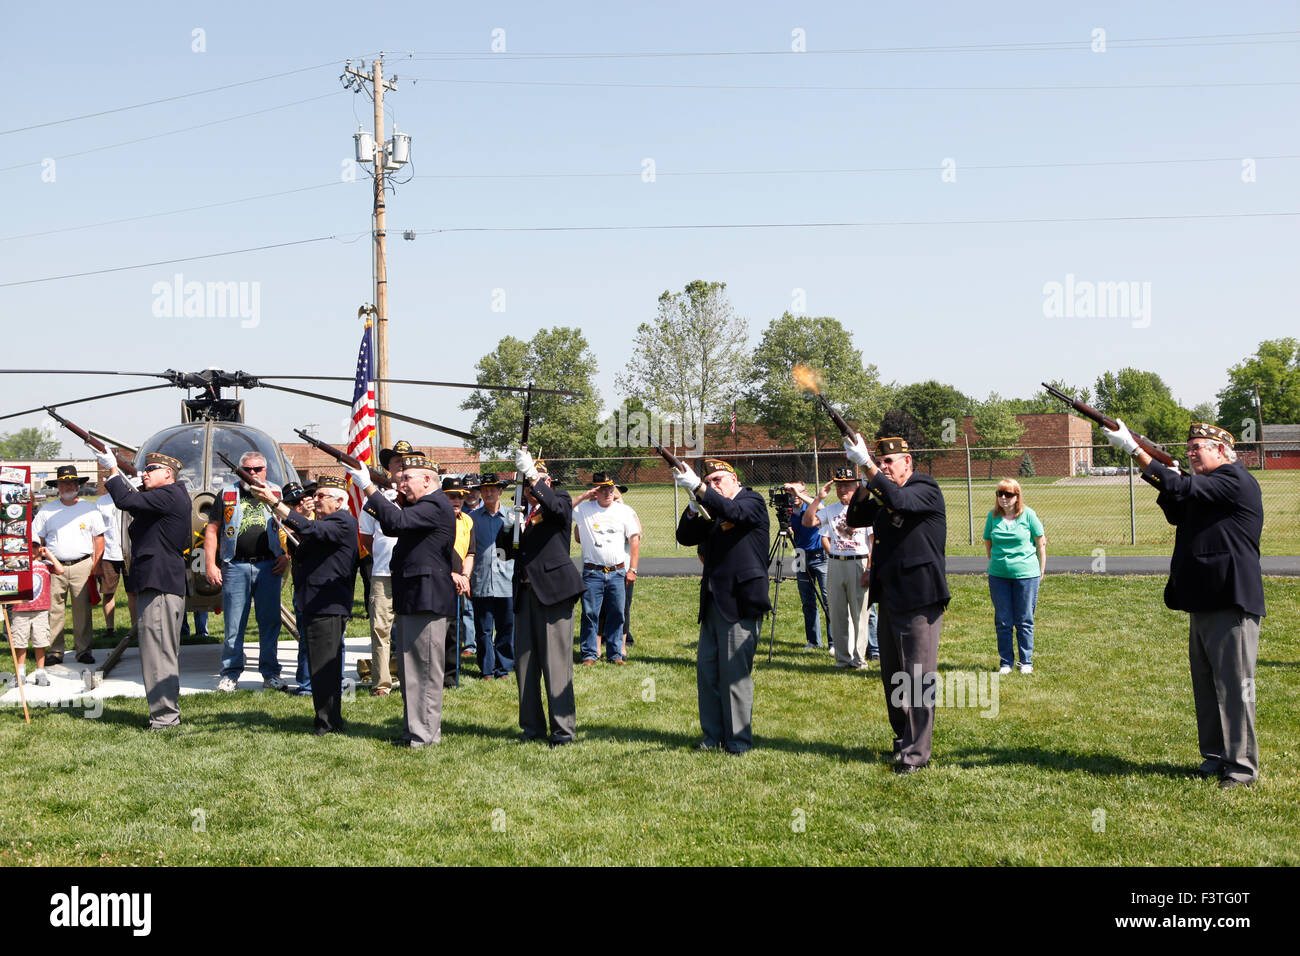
x=362, y=427
x=733, y=419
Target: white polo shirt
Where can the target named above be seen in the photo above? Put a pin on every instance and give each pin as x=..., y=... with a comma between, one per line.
x=382, y=549
x=69, y=531
x=112, y=539
x=604, y=532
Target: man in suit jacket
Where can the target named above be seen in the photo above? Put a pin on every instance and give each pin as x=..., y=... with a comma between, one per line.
x=733, y=599
x=546, y=586
x=326, y=558
x=908, y=582
x=160, y=534
x=424, y=594
x=1216, y=577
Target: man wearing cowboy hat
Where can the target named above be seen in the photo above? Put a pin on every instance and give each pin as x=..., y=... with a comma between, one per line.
x=424, y=594
x=852, y=618
x=73, y=529
x=462, y=568
x=908, y=581
x=546, y=585
x=733, y=599
x=160, y=534
x=610, y=537
x=1215, y=576
x=492, y=584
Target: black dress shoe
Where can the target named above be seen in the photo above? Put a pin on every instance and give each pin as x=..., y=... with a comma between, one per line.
x=706, y=745
x=906, y=768
x=1230, y=783
x=86, y=658
x=563, y=742
x=1205, y=771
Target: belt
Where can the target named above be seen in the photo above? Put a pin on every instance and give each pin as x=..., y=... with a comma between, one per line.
x=848, y=557
x=73, y=560
x=269, y=557
x=605, y=567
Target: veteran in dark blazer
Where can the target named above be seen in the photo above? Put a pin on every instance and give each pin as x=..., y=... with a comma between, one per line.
x=733, y=599
x=1215, y=576
x=160, y=534
x=326, y=562
x=424, y=595
x=546, y=586
x=908, y=582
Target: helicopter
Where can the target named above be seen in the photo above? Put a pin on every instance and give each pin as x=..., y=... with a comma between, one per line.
x=213, y=425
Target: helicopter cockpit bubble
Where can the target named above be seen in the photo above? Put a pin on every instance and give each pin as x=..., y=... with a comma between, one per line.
x=233, y=441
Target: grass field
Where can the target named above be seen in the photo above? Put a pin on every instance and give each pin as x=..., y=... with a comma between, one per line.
x=1085, y=762
x=1077, y=518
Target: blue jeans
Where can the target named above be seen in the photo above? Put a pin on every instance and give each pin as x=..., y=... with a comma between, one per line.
x=812, y=614
x=467, y=628
x=200, y=624
x=246, y=587
x=604, y=589
x=1014, y=603
x=494, y=619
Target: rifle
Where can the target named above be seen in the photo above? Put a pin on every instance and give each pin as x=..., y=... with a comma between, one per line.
x=123, y=466
x=836, y=417
x=250, y=479
x=676, y=464
x=523, y=445
x=380, y=479
x=1087, y=411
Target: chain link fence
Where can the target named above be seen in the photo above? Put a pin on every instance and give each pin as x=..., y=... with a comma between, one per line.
x=1084, y=504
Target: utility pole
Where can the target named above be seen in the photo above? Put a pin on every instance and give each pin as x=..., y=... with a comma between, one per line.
x=386, y=155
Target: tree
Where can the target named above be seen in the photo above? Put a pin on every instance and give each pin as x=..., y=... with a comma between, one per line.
x=1027, y=466
x=1275, y=368
x=1144, y=402
x=995, y=424
x=1045, y=404
x=623, y=438
x=562, y=426
x=896, y=423
x=937, y=409
x=692, y=360
x=30, y=443
x=792, y=414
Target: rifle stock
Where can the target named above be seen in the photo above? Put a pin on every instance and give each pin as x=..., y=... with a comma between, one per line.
x=836, y=417
x=126, y=467
x=380, y=479
x=1105, y=421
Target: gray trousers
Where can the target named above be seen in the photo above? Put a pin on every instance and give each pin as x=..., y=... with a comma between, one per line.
x=846, y=599
x=1222, y=647
x=723, y=664
x=158, y=627
x=544, y=651
x=418, y=640
x=909, y=659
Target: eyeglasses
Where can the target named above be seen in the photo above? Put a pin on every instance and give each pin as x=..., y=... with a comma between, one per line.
x=154, y=467
x=1006, y=494
x=1200, y=446
x=255, y=468
x=891, y=459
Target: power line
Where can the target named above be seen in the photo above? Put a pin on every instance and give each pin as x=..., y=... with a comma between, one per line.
x=864, y=224
x=865, y=89
x=171, y=132
x=172, y=212
x=849, y=170
x=164, y=262
x=164, y=99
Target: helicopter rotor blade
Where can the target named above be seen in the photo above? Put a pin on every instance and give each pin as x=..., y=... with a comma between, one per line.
x=420, y=381
x=73, y=371
x=110, y=440
x=466, y=436
x=78, y=401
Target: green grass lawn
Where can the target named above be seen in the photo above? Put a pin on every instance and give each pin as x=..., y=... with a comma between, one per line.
x=1086, y=761
x=1077, y=518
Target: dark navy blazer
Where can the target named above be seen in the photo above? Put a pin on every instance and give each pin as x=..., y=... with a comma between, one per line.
x=326, y=561
x=421, y=565
x=543, y=555
x=910, y=526
x=1219, y=516
x=160, y=534
x=734, y=548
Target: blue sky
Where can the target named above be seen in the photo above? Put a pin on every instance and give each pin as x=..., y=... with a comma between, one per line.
x=963, y=303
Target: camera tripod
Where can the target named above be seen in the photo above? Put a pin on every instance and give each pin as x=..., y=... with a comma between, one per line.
x=777, y=553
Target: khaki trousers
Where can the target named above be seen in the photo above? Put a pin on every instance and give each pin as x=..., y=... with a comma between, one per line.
x=73, y=580
x=381, y=629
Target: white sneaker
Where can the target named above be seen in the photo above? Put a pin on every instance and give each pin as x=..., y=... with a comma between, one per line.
x=227, y=684
x=1026, y=668
x=1004, y=669
x=274, y=683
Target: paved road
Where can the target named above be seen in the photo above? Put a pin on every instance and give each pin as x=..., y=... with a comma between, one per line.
x=1058, y=564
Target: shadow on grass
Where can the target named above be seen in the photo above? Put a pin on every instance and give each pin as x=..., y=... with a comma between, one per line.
x=673, y=740
x=1102, y=765
x=1278, y=664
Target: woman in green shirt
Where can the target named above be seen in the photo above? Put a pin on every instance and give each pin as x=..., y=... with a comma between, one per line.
x=1017, y=551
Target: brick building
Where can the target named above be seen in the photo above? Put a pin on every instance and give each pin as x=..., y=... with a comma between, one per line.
x=1059, y=444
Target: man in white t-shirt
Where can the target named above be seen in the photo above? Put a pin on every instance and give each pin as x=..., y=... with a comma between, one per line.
x=610, y=536
x=380, y=547
x=848, y=573
x=73, y=530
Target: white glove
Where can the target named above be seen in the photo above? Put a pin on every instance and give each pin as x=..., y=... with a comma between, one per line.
x=1121, y=438
x=687, y=479
x=525, y=465
x=856, y=450
x=692, y=507
x=105, y=458
x=360, y=477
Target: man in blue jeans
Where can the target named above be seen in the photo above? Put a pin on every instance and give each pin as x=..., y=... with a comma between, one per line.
x=491, y=583
x=244, y=557
x=810, y=570
x=610, y=535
